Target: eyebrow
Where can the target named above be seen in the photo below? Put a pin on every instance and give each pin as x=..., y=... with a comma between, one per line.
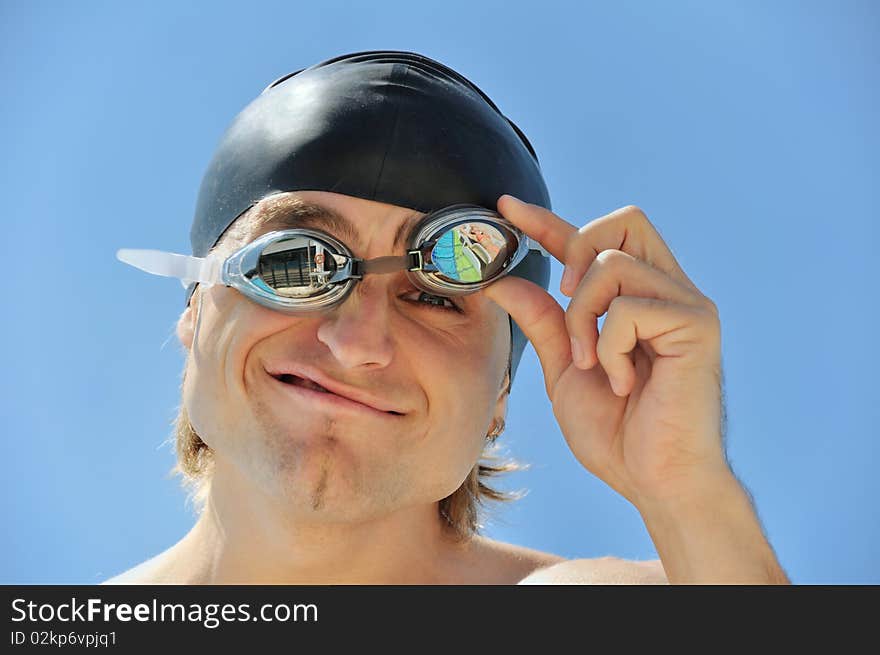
x=302, y=213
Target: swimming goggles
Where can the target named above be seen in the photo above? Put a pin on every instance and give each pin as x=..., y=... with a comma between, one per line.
x=453, y=251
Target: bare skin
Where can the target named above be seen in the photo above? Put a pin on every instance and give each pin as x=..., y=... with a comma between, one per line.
x=483, y=561
x=203, y=557
x=301, y=494
x=223, y=547
x=309, y=489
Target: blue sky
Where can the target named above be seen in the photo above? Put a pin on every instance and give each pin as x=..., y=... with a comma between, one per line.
x=747, y=132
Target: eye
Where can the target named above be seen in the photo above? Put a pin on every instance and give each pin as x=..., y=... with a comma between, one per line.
x=432, y=301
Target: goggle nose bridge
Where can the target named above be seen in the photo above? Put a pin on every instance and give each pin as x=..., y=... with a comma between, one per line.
x=412, y=261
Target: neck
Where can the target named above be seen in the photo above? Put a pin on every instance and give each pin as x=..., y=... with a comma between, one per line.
x=243, y=538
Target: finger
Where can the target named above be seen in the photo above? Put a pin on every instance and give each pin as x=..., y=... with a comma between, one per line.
x=541, y=319
x=539, y=224
x=614, y=273
x=626, y=229
x=671, y=329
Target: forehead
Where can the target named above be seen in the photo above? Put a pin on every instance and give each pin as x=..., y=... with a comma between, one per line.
x=343, y=216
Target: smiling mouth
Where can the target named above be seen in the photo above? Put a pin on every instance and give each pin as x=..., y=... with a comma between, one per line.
x=288, y=378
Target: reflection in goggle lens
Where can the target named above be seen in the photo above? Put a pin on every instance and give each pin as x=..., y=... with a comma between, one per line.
x=301, y=266
x=297, y=267
x=471, y=252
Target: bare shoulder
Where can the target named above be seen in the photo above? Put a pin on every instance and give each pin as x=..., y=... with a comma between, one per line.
x=504, y=563
x=147, y=572
x=132, y=576
x=498, y=562
x=599, y=570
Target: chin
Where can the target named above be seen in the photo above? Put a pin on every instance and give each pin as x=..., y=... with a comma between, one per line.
x=317, y=475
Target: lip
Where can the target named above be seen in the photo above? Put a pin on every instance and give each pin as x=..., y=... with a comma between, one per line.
x=331, y=401
x=341, y=396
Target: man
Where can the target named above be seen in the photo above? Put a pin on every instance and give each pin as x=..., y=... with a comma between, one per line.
x=344, y=445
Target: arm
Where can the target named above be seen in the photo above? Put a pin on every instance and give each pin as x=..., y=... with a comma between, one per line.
x=712, y=536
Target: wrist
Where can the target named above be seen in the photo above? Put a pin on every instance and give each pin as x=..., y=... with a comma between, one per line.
x=695, y=494
x=708, y=532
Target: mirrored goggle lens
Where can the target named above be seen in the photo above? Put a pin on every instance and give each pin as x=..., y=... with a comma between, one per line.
x=473, y=252
x=298, y=267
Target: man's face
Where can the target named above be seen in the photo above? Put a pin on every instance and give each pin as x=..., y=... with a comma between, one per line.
x=443, y=370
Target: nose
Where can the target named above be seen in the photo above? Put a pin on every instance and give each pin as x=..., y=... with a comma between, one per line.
x=357, y=331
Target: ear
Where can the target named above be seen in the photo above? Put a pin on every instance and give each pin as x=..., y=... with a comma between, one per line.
x=186, y=324
x=504, y=388
x=503, y=395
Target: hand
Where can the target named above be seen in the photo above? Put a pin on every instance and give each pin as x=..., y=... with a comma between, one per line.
x=647, y=419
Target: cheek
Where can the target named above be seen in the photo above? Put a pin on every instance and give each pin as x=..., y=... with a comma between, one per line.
x=214, y=385
x=461, y=379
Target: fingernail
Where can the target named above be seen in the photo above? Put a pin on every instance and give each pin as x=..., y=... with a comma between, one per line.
x=577, y=352
x=515, y=199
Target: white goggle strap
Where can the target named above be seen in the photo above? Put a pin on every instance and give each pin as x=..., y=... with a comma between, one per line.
x=204, y=270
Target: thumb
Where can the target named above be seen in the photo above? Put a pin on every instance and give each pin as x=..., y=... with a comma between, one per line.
x=541, y=319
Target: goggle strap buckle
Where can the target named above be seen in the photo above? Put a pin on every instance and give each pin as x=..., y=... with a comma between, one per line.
x=416, y=262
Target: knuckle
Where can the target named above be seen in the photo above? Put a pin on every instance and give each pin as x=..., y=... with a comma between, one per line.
x=611, y=258
x=638, y=218
x=634, y=212
x=705, y=304
x=633, y=209
x=549, y=312
x=710, y=305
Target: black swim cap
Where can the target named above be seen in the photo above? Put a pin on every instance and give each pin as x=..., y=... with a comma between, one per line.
x=385, y=125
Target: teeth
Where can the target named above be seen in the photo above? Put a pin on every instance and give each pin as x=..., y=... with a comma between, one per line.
x=302, y=382
x=308, y=384
x=288, y=378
